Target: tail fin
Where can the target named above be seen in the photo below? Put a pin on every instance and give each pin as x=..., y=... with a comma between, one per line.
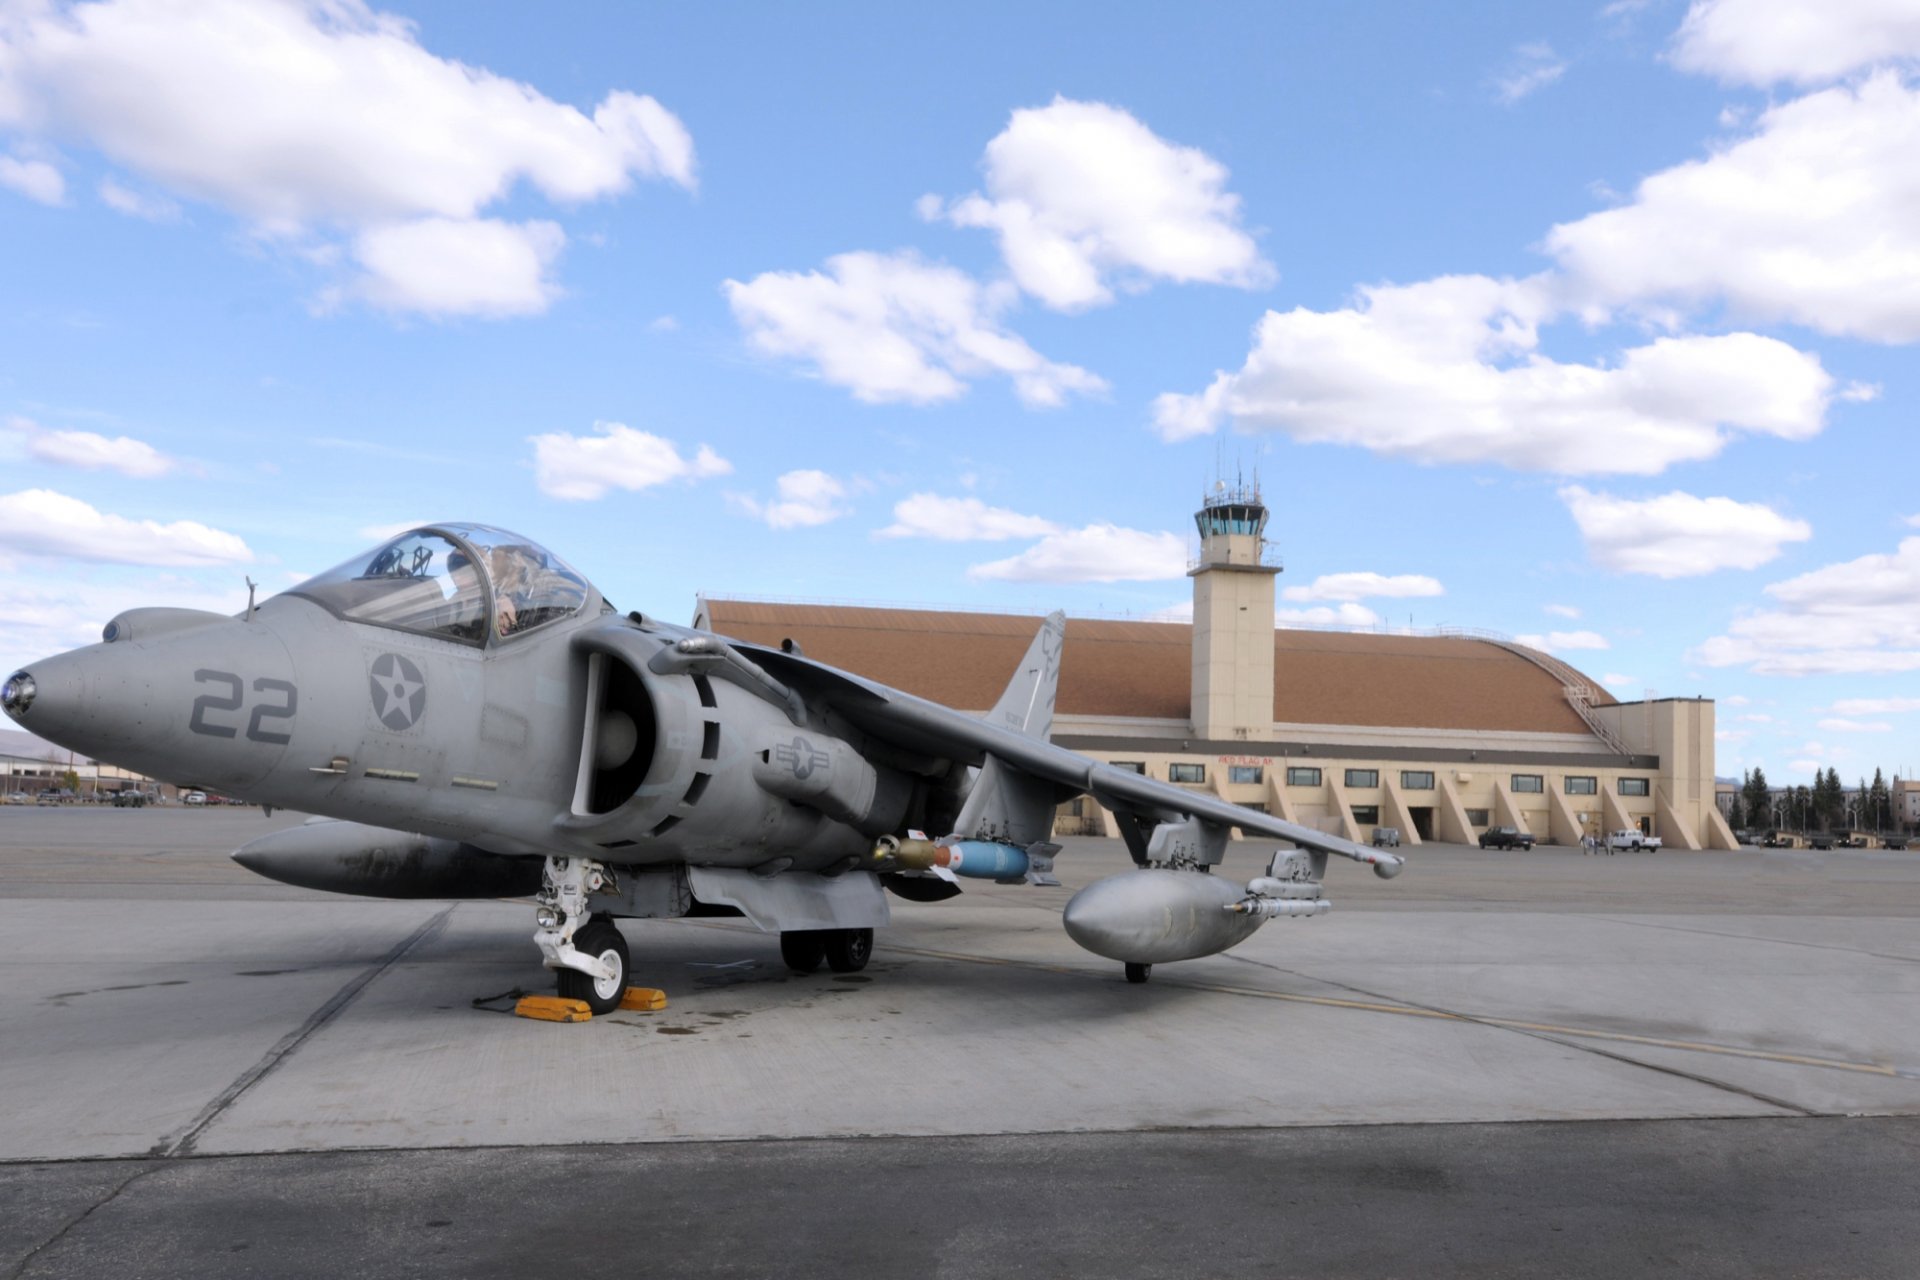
x=1027, y=705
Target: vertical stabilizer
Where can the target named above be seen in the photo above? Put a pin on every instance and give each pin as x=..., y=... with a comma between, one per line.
x=1005, y=804
x=1027, y=705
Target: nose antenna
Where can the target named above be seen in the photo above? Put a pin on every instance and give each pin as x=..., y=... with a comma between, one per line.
x=250, y=590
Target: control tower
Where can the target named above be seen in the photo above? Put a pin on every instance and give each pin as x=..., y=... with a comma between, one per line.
x=1233, y=616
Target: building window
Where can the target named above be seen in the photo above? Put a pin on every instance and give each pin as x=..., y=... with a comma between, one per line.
x=1300, y=776
x=1636, y=787
x=1579, y=786
x=1417, y=779
x=1367, y=815
x=1478, y=818
x=1363, y=777
x=1131, y=766
x=1186, y=773
x=1246, y=773
x=1528, y=782
x=1257, y=808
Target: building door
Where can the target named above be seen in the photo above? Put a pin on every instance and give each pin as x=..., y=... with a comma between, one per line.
x=1422, y=821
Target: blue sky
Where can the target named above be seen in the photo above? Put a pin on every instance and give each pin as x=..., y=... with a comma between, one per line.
x=1590, y=324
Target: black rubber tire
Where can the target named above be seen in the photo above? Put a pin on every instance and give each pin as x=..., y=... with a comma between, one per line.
x=599, y=938
x=803, y=949
x=1137, y=973
x=848, y=950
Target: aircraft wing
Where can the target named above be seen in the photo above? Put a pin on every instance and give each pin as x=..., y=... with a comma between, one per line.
x=915, y=724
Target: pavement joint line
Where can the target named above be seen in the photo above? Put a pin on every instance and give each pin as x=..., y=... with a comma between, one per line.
x=184, y=1144
x=1748, y=937
x=20, y=1268
x=1546, y=1032
x=1382, y=1005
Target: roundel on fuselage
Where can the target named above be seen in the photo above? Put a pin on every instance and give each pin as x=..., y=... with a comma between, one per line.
x=399, y=691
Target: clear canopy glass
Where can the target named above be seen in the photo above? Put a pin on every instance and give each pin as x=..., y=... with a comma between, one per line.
x=462, y=582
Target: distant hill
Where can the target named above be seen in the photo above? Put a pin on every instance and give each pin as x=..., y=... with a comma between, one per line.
x=15, y=743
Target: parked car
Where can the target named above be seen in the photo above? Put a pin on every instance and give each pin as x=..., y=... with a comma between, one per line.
x=17, y=797
x=1630, y=839
x=1822, y=840
x=129, y=799
x=1386, y=837
x=193, y=797
x=1891, y=842
x=54, y=795
x=1505, y=838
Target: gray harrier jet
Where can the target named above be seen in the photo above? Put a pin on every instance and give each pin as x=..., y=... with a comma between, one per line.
x=473, y=720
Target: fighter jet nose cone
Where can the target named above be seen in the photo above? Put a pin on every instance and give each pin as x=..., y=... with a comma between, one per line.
x=18, y=693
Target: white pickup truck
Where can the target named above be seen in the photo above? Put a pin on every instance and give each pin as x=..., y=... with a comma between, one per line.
x=1628, y=838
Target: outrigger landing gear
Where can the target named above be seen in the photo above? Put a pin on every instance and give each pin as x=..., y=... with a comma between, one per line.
x=844, y=950
x=1139, y=972
x=589, y=953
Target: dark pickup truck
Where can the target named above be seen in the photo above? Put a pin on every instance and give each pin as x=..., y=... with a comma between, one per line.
x=1505, y=838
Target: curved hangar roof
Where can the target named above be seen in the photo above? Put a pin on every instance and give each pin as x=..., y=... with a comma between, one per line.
x=1113, y=668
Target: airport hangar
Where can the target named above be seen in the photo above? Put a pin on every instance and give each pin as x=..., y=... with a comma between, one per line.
x=1438, y=736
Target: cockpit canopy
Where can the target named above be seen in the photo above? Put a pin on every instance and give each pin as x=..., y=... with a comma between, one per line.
x=464, y=582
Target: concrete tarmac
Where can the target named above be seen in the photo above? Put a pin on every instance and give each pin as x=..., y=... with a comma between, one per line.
x=208, y=1072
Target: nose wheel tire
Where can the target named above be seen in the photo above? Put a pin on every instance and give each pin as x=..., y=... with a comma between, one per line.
x=803, y=949
x=1139, y=972
x=848, y=950
x=600, y=939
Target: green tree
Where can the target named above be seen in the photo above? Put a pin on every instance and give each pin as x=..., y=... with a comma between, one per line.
x=1879, y=803
x=1758, y=797
x=1736, y=814
x=1801, y=806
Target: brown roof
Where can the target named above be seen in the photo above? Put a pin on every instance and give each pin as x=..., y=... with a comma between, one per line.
x=1113, y=668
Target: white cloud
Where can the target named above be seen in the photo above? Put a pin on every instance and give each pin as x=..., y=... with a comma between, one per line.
x=1737, y=700
x=1913, y=520
x=1365, y=586
x=929, y=515
x=1346, y=614
x=1678, y=535
x=1809, y=219
x=34, y=179
x=305, y=117
x=1567, y=611
x=1533, y=67
x=1836, y=724
x=893, y=328
x=1764, y=42
x=94, y=452
x=1449, y=370
x=40, y=522
x=1856, y=617
x=807, y=498
x=1875, y=706
x=1803, y=765
x=135, y=204
x=50, y=612
x=1096, y=553
x=1614, y=680
x=1564, y=641
x=585, y=468
x=455, y=266
x=1083, y=196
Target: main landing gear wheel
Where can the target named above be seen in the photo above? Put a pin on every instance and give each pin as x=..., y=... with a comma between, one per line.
x=803, y=949
x=1139, y=972
x=848, y=950
x=600, y=939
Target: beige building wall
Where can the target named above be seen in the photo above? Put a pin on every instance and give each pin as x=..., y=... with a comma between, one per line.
x=1461, y=804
